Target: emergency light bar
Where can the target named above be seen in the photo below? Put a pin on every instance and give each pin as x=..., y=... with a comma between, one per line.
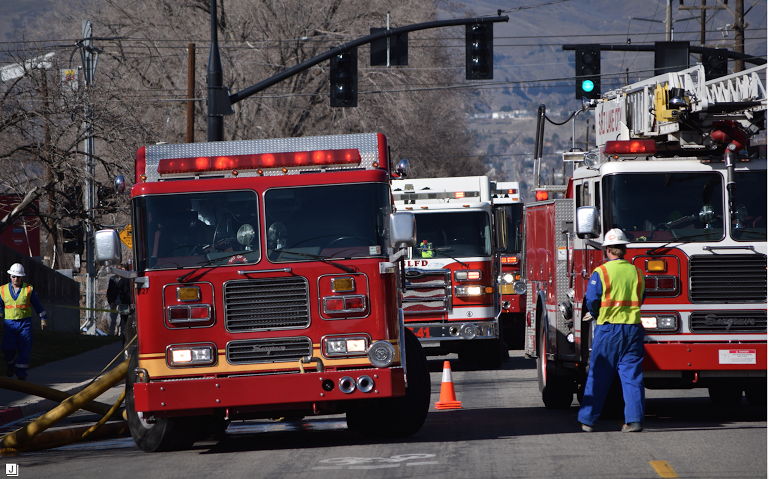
x=454, y=195
x=629, y=147
x=259, y=161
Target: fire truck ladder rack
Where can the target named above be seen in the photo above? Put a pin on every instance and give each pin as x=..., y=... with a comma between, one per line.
x=647, y=116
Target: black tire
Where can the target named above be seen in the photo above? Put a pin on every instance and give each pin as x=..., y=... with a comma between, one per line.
x=557, y=391
x=401, y=416
x=165, y=434
x=725, y=396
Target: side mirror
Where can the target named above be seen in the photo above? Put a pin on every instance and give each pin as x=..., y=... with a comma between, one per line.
x=120, y=184
x=402, y=170
x=107, y=246
x=403, y=230
x=588, y=224
x=500, y=230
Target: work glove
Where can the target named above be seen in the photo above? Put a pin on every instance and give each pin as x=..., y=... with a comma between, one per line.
x=587, y=317
x=43, y=323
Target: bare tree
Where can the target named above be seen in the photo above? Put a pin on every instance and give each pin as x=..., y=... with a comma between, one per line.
x=141, y=83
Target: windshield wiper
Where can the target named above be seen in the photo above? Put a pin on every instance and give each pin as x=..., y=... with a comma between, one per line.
x=319, y=258
x=443, y=251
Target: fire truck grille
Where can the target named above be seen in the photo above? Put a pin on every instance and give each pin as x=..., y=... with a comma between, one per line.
x=427, y=292
x=728, y=322
x=271, y=350
x=728, y=278
x=270, y=303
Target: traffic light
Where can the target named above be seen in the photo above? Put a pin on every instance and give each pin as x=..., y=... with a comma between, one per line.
x=73, y=238
x=716, y=62
x=479, y=49
x=587, y=70
x=344, y=79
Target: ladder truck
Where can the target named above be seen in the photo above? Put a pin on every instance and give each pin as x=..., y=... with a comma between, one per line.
x=451, y=300
x=506, y=196
x=257, y=297
x=676, y=170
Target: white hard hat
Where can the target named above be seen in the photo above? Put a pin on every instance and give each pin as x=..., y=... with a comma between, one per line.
x=614, y=237
x=17, y=270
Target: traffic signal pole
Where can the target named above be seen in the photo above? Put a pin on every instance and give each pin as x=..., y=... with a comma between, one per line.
x=220, y=104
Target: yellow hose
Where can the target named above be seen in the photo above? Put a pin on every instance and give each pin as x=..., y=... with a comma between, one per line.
x=66, y=408
x=48, y=393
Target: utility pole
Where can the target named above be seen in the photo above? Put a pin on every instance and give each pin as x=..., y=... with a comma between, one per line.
x=190, y=93
x=703, y=17
x=739, y=33
x=89, y=56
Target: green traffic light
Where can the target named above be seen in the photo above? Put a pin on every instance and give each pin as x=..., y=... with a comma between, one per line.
x=588, y=85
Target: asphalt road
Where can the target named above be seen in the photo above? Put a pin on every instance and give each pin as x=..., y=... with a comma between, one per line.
x=503, y=431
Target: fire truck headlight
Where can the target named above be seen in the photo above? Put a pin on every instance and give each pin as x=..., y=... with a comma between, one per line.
x=508, y=278
x=469, y=290
x=381, y=354
x=660, y=322
x=346, y=346
x=192, y=355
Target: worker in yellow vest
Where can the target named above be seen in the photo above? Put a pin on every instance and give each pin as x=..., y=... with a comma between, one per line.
x=17, y=300
x=614, y=296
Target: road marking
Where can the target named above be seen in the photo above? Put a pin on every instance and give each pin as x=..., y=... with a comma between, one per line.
x=663, y=469
x=377, y=462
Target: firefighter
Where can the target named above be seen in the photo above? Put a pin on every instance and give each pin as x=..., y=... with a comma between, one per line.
x=426, y=249
x=18, y=299
x=614, y=296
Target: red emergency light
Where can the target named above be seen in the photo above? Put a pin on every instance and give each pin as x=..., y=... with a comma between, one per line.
x=541, y=195
x=459, y=194
x=259, y=161
x=509, y=260
x=512, y=191
x=626, y=147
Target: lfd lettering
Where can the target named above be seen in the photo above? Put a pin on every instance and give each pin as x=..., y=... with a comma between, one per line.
x=416, y=263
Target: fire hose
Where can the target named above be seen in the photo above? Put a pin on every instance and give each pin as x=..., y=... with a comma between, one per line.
x=32, y=438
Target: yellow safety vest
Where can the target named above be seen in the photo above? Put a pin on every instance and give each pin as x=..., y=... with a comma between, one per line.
x=20, y=307
x=623, y=288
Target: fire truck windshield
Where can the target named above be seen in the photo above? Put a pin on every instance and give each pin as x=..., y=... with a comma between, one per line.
x=666, y=206
x=452, y=234
x=196, y=229
x=322, y=222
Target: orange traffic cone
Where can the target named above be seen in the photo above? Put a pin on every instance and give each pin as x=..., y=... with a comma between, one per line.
x=448, y=398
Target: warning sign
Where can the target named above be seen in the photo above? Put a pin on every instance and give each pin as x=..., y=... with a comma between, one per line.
x=125, y=237
x=736, y=356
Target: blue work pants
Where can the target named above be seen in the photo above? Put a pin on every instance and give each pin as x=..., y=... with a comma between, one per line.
x=17, y=345
x=617, y=349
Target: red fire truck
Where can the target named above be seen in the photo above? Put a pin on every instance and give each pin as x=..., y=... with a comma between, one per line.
x=506, y=196
x=676, y=172
x=451, y=301
x=256, y=296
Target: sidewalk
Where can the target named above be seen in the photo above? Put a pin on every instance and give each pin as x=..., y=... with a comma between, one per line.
x=68, y=375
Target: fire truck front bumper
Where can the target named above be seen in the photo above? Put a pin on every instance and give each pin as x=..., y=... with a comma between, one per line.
x=278, y=391
x=428, y=332
x=716, y=357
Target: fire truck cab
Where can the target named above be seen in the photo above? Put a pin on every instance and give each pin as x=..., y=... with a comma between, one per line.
x=256, y=298
x=451, y=301
x=675, y=170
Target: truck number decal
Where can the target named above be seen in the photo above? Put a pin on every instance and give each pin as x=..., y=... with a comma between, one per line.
x=421, y=333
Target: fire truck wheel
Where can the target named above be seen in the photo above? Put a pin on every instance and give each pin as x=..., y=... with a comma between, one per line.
x=165, y=434
x=725, y=396
x=402, y=416
x=557, y=391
